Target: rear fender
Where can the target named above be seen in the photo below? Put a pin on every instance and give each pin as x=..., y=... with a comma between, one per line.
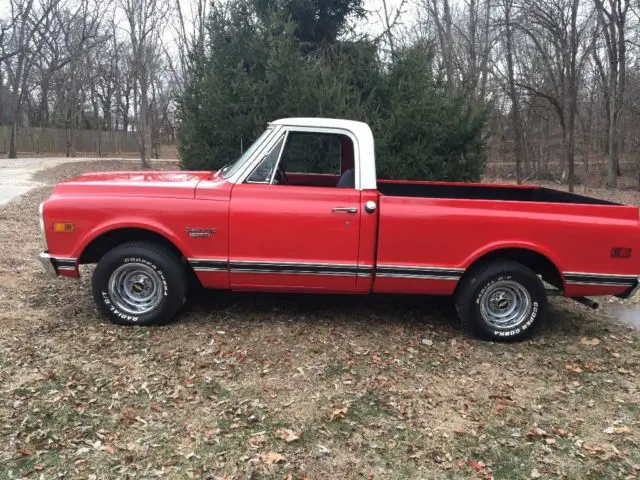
x=493, y=247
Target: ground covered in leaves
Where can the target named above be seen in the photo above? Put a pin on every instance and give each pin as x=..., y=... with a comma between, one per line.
x=292, y=387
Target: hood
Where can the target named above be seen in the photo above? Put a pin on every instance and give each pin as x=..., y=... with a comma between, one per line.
x=171, y=184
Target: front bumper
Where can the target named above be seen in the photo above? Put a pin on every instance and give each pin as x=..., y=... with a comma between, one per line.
x=55, y=266
x=47, y=262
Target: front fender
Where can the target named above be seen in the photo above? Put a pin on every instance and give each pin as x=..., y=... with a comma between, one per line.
x=123, y=223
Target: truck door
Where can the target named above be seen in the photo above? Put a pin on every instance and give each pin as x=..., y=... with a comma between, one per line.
x=295, y=219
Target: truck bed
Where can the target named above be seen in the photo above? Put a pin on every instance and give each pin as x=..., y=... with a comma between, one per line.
x=484, y=192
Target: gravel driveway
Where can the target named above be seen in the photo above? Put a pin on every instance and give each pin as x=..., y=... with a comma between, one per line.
x=16, y=175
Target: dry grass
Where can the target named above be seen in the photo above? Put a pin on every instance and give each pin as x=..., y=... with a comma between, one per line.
x=373, y=387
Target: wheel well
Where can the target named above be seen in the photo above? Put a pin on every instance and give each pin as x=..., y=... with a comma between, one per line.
x=533, y=260
x=105, y=242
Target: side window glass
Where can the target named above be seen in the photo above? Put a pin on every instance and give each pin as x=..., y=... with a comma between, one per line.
x=312, y=153
x=265, y=170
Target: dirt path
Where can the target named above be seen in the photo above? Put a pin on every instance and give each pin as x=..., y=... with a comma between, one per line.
x=16, y=175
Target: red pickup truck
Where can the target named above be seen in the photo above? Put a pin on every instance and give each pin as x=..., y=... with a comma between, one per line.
x=302, y=211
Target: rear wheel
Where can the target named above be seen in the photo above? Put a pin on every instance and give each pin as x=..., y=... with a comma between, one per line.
x=139, y=283
x=503, y=300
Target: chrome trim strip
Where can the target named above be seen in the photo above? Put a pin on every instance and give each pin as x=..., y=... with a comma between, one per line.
x=252, y=262
x=311, y=268
x=418, y=277
x=329, y=269
x=419, y=272
x=209, y=264
x=607, y=275
x=212, y=259
x=298, y=272
x=418, y=267
x=249, y=266
x=573, y=278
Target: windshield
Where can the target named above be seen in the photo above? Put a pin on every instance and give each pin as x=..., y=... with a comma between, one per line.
x=232, y=168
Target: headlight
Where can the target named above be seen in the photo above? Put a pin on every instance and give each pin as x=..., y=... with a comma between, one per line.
x=42, y=230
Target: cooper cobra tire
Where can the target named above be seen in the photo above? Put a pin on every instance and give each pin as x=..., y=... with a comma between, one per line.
x=501, y=301
x=139, y=283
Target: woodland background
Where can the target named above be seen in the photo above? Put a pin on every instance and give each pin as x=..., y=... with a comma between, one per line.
x=539, y=90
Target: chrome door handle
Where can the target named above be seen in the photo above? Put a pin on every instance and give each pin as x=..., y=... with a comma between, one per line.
x=351, y=210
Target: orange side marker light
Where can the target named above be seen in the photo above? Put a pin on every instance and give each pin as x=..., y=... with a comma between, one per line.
x=60, y=227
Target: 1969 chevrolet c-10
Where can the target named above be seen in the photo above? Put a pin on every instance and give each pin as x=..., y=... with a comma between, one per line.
x=302, y=211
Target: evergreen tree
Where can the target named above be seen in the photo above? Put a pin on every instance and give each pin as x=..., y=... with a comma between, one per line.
x=268, y=59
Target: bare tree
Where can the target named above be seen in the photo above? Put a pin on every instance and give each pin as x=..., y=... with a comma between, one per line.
x=559, y=33
x=508, y=28
x=20, y=50
x=612, y=20
x=145, y=21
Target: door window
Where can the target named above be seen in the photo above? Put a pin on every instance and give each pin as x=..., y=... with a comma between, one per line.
x=311, y=159
x=312, y=153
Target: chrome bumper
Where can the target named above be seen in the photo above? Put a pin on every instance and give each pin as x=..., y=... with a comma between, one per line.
x=52, y=265
x=47, y=262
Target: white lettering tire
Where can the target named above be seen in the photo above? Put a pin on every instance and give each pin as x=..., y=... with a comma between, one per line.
x=502, y=301
x=139, y=283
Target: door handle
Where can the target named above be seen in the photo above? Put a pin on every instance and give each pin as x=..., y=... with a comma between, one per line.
x=350, y=210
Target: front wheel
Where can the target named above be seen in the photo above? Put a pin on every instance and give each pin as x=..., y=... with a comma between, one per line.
x=503, y=300
x=139, y=283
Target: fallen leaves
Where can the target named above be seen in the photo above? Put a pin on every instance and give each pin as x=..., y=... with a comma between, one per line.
x=536, y=432
x=573, y=368
x=25, y=452
x=338, y=414
x=287, y=435
x=622, y=430
x=591, y=342
x=271, y=458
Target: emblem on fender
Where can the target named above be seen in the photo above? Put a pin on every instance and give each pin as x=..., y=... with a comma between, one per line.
x=200, y=232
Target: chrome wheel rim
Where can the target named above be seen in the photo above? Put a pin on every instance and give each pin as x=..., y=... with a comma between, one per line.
x=505, y=305
x=135, y=288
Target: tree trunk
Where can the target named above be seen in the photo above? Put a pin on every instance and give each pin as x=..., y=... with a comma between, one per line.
x=515, y=105
x=612, y=150
x=144, y=134
x=571, y=146
x=12, y=140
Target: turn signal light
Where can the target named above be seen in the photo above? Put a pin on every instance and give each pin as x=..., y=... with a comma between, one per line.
x=621, y=252
x=59, y=227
